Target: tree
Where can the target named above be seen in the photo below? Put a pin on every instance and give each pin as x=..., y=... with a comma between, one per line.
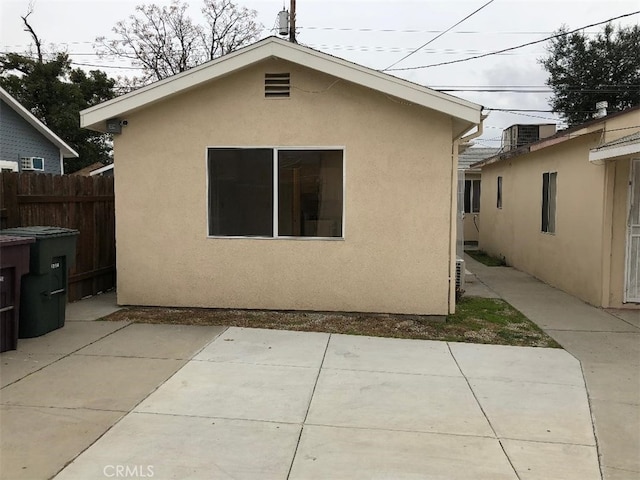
x=53, y=92
x=165, y=41
x=584, y=71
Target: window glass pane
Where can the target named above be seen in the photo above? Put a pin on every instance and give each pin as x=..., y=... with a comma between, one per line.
x=241, y=192
x=476, y=196
x=545, y=202
x=310, y=193
x=552, y=202
x=467, y=196
x=499, y=199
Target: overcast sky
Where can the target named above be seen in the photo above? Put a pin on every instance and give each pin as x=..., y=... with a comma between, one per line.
x=372, y=33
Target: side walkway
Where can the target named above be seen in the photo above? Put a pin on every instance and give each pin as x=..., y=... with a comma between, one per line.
x=607, y=343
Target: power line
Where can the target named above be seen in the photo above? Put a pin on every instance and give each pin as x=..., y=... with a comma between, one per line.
x=440, y=35
x=513, y=48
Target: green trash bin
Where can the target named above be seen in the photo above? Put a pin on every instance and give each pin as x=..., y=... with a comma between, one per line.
x=43, y=297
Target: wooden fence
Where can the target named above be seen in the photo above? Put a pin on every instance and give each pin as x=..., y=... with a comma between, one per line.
x=83, y=203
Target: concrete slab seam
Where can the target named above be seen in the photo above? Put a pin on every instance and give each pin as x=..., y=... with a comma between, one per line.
x=593, y=421
x=306, y=414
x=484, y=413
x=257, y=364
x=414, y=374
x=65, y=356
x=210, y=342
x=126, y=413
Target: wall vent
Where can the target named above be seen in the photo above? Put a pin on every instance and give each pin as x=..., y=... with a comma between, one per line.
x=277, y=85
x=460, y=272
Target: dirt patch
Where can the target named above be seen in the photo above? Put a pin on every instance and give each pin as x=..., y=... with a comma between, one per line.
x=478, y=320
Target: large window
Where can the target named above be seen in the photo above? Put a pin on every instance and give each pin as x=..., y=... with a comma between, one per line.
x=265, y=192
x=549, y=185
x=471, y=196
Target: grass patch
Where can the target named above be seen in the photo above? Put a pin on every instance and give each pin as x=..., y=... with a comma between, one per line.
x=485, y=258
x=478, y=320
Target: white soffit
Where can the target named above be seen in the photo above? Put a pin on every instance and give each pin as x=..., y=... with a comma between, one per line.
x=626, y=146
x=466, y=114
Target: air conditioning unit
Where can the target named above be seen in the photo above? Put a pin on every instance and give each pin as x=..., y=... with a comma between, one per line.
x=518, y=135
x=6, y=165
x=460, y=274
x=32, y=163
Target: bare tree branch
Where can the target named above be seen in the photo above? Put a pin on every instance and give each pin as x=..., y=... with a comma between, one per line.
x=164, y=41
x=27, y=28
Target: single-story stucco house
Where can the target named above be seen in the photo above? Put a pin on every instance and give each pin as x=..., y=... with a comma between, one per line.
x=27, y=144
x=566, y=209
x=280, y=177
x=471, y=186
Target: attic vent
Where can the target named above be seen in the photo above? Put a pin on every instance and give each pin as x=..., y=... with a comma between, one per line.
x=277, y=84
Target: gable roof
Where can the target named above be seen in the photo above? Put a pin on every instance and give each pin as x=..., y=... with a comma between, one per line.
x=67, y=151
x=465, y=114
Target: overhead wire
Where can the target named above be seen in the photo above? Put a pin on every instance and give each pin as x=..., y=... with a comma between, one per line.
x=440, y=35
x=512, y=48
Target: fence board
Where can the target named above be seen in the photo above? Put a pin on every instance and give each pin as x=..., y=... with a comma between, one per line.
x=82, y=203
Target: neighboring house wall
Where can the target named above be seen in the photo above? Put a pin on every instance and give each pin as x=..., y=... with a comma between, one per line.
x=20, y=139
x=585, y=256
x=398, y=190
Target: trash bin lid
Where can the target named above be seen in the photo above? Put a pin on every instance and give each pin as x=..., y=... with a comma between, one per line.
x=40, y=232
x=10, y=241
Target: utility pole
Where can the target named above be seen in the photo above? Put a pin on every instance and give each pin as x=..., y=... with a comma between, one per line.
x=292, y=24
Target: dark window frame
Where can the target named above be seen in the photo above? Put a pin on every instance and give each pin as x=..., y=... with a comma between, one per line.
x=327, y=219
x=549, y=202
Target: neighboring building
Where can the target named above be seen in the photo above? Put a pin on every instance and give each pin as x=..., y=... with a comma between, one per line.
x=86, y=171
x=27, y=144
x=280, y=177
x=470, y=199
x=566, y=209
x=106, y=171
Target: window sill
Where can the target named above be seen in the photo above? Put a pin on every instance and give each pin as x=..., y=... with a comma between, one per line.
x=304, y=239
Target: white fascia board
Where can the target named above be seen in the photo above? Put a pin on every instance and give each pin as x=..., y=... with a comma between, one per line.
x=467, y=112
x=100, y=170
x=65, y=150
x=598, y=157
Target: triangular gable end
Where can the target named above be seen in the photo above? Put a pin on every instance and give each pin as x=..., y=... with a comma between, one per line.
x=465, y=114
x=67, y=151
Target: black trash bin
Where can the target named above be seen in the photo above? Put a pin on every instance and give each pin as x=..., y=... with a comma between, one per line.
x=14, y=263
x=43, y=298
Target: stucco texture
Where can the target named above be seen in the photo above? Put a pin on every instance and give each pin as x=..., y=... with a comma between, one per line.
x=586, y=254
x=394, y=256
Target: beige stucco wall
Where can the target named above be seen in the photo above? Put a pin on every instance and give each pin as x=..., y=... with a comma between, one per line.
x=395, y=253
x=570, y=258
x=585, y=256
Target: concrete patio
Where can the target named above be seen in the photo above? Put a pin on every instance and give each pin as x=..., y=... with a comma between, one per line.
x=97, y=398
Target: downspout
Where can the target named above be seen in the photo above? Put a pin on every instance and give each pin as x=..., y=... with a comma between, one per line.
x=453, y=214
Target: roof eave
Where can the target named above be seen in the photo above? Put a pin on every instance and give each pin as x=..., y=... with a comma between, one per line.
x=466, y=114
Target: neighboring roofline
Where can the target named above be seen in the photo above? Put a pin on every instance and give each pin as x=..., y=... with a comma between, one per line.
x=67, y=151
x=467, y=113
x=100, y=170
x=591, y=126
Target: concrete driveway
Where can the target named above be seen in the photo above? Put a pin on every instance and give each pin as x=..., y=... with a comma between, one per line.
x=115, y=400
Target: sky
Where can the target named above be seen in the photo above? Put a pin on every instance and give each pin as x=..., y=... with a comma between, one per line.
x=373, y=33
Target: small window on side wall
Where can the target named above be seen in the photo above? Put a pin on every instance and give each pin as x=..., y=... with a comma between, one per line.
x=549, y=190
x=471, y=196
x=499, y=193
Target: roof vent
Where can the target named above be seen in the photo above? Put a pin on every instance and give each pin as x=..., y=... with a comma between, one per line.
x=277, y=84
